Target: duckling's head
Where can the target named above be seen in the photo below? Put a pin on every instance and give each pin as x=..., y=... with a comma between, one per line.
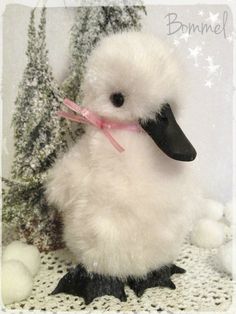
x=134, y=76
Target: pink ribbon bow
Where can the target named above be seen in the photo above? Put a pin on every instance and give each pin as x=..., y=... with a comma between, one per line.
x=89, y=117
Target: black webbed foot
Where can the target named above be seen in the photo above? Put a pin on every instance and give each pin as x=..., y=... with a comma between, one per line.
x=90, y=285
x=174, y=269
x=160, y=277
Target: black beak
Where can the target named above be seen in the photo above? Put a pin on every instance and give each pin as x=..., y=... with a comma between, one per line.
x=168, y=136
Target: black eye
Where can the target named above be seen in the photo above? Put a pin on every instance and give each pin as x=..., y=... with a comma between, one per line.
x=117, y=99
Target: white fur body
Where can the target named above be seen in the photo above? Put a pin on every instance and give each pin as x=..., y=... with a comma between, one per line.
x=124, y=213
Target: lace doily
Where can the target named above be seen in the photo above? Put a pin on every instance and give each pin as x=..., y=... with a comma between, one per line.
x=202, y=288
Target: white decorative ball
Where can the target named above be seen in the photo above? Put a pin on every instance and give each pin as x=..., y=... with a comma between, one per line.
x=213, y=209
x=208, y=233
x=17, y=282
x=228, y=212
x=225, y=257
x=27, y=254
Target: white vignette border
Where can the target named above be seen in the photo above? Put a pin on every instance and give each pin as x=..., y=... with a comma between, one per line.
x=74, y=3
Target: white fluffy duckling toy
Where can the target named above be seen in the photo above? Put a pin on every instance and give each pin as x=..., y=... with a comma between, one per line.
x=125, y=213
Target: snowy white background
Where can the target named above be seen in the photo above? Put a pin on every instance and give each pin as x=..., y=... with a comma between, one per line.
x=207, y=118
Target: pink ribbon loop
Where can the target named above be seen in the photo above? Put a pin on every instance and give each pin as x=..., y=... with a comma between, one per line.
x=89, y=117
